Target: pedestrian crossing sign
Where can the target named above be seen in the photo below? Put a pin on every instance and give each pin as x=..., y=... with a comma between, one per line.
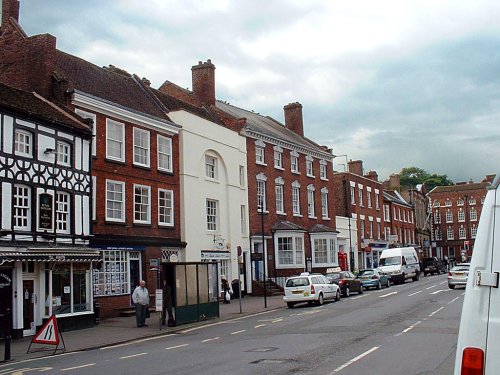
x=49, y=334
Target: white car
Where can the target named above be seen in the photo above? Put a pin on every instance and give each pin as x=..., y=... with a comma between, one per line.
x=311, y=288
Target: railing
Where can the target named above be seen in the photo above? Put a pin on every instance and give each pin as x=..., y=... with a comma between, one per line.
x=277, y=280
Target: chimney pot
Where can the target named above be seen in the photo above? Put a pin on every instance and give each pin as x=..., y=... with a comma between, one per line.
x=203, y=76
x=293, y=118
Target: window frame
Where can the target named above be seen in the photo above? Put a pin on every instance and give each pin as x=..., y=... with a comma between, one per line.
x=121, y=142
x=144, y=188
x=209, y=212
x=144, y=148
x=26, y=208
x=311, y=212
x=122, y=202
x=296, y=239
x=211, y=170
x=67, y=155
x=161, y=207
x=164, y=154
x=60, y=213
x=18, y=143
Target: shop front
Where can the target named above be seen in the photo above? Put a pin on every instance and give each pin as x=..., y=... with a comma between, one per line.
x=50, y=281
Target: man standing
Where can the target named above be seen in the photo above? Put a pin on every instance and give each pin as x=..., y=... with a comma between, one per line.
x=167, y=305
x=141, y=299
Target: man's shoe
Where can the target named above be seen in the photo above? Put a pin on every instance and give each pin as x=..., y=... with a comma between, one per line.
x=144, y=325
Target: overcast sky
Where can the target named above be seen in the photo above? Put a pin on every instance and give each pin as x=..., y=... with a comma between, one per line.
x=393, y=83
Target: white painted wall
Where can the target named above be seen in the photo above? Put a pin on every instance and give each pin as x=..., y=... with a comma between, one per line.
x=198, y=137
x=342, y=224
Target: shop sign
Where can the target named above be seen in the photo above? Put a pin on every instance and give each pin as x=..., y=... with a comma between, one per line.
x=45, y=211
x=5, y=281
x=215, y=255
x=154, y=262
x=257, y=257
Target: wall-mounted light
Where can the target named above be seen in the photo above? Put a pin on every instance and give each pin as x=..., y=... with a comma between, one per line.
x=49, y=150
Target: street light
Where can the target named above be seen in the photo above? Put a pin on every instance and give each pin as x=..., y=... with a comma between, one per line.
x=263, y=252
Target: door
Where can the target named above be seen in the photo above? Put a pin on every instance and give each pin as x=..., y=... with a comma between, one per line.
x=29, y=299
x=135, y=276
x=259, y=264
x=5, y=299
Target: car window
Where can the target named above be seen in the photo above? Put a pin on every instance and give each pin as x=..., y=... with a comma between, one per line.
x=460, y=267
x=391, y=261
x=365, y=272
x=333, y=276
x=299, y=281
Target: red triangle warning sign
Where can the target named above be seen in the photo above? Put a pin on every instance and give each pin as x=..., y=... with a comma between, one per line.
x=49, y=334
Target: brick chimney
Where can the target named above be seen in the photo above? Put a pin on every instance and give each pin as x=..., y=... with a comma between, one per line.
x=9, y=8
x=355, y=167
x=372, y=175
x=394, y=181
x=293, y=118
x=204, y=82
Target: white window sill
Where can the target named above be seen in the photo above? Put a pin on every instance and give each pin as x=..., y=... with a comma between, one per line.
x=281, y=213
x=279, y=168
x=297, y=215
x=311, y=217
x=296, y=172
x=310, y=175
x=261, y=163
x=324, y=179
x=326, y=218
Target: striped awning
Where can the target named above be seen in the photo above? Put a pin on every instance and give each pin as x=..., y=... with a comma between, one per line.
x=63, y=254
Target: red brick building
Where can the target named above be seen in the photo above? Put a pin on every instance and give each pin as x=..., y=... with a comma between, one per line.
x=135, y=163
x=455, y=212
x=360, y=196
x=290, y=187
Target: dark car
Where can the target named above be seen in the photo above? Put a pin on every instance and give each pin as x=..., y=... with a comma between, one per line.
x=346, y=281
x=433, y=265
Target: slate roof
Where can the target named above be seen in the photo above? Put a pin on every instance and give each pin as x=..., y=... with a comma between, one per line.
x=321, y=228
x=33, y=106
x=287, y=225
x=108, y=84
x=270, y=127
x=461, y=187
x=392, y=197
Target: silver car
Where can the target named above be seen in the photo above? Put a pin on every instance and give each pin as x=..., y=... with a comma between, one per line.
x=458, y=274
x=310, y=288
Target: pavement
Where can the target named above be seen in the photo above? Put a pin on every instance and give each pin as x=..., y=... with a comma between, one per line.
x=120, y=330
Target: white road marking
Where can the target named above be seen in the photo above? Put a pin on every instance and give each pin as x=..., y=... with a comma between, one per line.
x=176, y=346
x=355, y=359
x=361, y=296
x=409, y=295
x=388, y=294
x=432, y=286
x=260, y=325
x=453, y=300
x=235, y=333
x=212, y=339
x=136, y=341
x=133, y=355
x=42, y=358
x=439, y=291
x=154, y=338
x=444, y=282
x=76, y=367
x=411, y=327
x=435, y=312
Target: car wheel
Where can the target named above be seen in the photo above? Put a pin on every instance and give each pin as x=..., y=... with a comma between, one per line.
x=347, y=292
x=388, y=283
x=361, y=289
x=337, y=295
x=290, y=305
x=451, y=286
x=416, y=277
x=379, y=285
x=320, y=299
x=425, y=273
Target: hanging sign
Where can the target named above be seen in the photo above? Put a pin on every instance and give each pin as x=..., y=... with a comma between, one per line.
x=45, y=211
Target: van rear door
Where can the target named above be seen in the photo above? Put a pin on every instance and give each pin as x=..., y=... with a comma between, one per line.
x=493, y=337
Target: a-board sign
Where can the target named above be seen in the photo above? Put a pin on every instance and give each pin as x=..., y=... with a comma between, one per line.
x=49, y=334
x=159, y=300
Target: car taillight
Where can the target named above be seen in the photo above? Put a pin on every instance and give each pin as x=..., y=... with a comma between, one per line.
x=341, y=282
x=472, y=361
x=312, y=289
x=374, y=277
x=449, y=273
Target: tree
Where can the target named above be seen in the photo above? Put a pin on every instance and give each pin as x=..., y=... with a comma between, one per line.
x=412, y=176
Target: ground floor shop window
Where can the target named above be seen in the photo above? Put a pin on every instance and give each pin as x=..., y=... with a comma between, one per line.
x=111, y=276
x=67, y=288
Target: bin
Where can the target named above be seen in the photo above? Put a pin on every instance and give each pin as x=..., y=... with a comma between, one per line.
x=235, y=285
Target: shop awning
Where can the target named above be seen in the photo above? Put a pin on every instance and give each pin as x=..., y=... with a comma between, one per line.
x=69, y=254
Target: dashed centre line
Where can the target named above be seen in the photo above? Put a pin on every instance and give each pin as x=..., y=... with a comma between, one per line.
x=388, y=294
x=176, y=346
x=409, y=295
x=432, y=286
x=435, y=312
x=77, y=367
x=212, y=339
x=235, y=333
x=453, y=300
x=133, y=355
x=340, y=368
x=260, y=325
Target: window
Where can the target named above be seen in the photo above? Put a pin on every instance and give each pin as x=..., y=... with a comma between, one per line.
x=280, y=208
x=460, y=202
x=115, y=140
x=473, y=231
x=243, y=219
x=399, y=213
x=92, y=116
x=377, y=207
x=22, y=207
x=436, y=203
x=63, y=153
x=164, y=153
x=165, y=207
x=449, y=216
x=296, y=198
x=362, y=228
x=23, y=144
x=290, y=250
x=210, y=167
x=379, y=231
x=437, y=218
x=387, y=216
x=360, y=196
x=309, y=166
x=310, y=201
x=387, y=233
x=62, y=213
x=371, y=230
x=449, y=233
x=461, y=233
x=278, y=157
x=142, y=204
x=447, y=203
x=473, y=214
x=242, y=176
x=70, y=291
x=322, y=170
x=294, y=160
x=324, y=203
x=141, y=147
x=461, y=215
x=437, y=234
x=111, y=275
x=211, y=207
x=472, y=201
x=261, y=192
x=260, y=152
x=369, y=198
x=115, y=201
x=353, y=196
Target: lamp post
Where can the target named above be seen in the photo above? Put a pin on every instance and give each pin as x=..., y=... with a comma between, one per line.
x=263, y=251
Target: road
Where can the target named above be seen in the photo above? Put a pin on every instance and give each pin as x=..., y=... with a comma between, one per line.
x=405, y=329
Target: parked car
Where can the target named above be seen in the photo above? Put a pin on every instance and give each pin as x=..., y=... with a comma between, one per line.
x=347, y=282
x=311, y=288
x=400, y=263
x=374, y=278
x=433, y=265
x=458, y=274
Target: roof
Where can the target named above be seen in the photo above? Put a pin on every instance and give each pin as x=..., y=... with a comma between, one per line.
x=461, y=187
x=267, y=126
x=33, y=106
x=321, y=228
x=394, y=197
x=61, y=254
x=287, y=225
x=111, y=84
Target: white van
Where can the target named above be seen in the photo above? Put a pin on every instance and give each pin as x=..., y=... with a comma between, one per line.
x=400, y=263
x=478, y=344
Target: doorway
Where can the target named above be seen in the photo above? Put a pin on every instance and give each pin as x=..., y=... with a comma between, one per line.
x=5, y=299
x=29, y=300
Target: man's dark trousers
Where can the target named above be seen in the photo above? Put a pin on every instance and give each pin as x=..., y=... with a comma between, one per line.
x=140, y=314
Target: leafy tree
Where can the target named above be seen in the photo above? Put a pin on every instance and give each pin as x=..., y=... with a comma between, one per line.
x=412, y=176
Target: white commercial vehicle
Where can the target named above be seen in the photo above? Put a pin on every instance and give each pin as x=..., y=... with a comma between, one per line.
x=400, y=263
x=478, y=346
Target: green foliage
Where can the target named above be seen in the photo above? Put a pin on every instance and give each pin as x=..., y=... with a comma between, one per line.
x=412, y=176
